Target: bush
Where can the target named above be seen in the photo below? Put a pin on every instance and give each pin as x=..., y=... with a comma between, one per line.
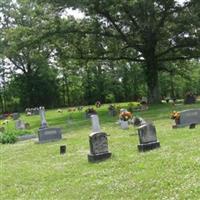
x=8, y=137
x=131, y=107
x=110, y=98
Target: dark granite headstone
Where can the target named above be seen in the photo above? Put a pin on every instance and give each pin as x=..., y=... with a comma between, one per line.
x=189, y=99
x=147, y=137
x=98, y=147
x=49, y=134
x=187, y=118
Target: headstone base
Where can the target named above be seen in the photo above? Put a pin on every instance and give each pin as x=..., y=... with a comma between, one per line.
x=98, y=157
x=148, y=146
x=191, y=126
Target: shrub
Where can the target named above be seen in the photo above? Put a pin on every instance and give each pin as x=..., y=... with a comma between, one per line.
x=131, y=107
x=8, y=137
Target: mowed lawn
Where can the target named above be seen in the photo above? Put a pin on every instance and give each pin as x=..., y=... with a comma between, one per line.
x=37, y=171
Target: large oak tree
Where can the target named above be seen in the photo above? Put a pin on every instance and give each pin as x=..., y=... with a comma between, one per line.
x=147, y=31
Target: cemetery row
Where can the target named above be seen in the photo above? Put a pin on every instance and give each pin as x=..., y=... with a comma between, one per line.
x=98, y=140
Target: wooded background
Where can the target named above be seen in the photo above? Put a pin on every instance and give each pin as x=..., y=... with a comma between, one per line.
x=119, y=51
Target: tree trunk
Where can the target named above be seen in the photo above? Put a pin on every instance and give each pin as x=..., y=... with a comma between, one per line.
x=152, y=81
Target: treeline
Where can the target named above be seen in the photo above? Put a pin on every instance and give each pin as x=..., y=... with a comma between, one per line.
x=111, y=55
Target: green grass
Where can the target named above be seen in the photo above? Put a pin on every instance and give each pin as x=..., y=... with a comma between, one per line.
x=37, y=171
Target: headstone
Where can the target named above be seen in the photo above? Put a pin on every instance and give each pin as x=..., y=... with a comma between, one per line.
x=43, y=120
x=144, y=100
x=95, y=123
x=20, y=125
x=27, y=126
x=28, y=113
x=62, y=149
x=189, y=98
x=98, y=142
x=36, y=111
x=147, y=138
x=187, y=118
x=89, y=112
x=112, y=111
x=138, y=121
x=49, y=134
x=98, y=147
x=124, y=124
x=15, y=116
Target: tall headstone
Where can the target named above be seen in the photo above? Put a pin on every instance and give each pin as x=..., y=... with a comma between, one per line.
x=98, y=147
x=42, y=116
x=95, y=123
x=147, y=137
x=98, y=142
x=46, y=134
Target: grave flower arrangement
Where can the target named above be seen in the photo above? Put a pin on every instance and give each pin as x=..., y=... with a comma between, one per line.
x=125, y=116
x=176, y=116
x=98, y=104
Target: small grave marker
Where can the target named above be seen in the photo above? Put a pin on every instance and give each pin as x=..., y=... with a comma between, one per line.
x=62, y=149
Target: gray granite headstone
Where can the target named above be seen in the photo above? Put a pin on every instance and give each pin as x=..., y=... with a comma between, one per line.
x=43, y=120
x=188, y=117
x=98, y=147
x=98, y=142
x=20, y=125
x=95, y=123
x=49, y=134
x=147, y=137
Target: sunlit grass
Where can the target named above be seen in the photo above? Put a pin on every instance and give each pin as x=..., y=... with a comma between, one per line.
x=37, y=171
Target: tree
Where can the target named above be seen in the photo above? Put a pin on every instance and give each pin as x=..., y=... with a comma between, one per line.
x=31, y=66
x=147, y=31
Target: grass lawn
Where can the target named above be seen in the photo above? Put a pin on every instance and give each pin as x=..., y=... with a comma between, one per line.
x=37, y=171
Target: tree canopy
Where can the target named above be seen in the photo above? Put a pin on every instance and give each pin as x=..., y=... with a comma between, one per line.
x=120, y=49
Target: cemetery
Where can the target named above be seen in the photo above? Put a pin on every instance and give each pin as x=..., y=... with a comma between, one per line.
x=100, y=100
x=97, y=153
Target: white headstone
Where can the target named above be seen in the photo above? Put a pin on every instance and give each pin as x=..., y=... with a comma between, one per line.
x=95, y=123
x=124, y=124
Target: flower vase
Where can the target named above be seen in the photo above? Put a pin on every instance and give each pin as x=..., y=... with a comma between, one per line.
x=124, y=124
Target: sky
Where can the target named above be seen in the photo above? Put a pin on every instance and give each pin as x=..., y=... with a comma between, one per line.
x=79, y=15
